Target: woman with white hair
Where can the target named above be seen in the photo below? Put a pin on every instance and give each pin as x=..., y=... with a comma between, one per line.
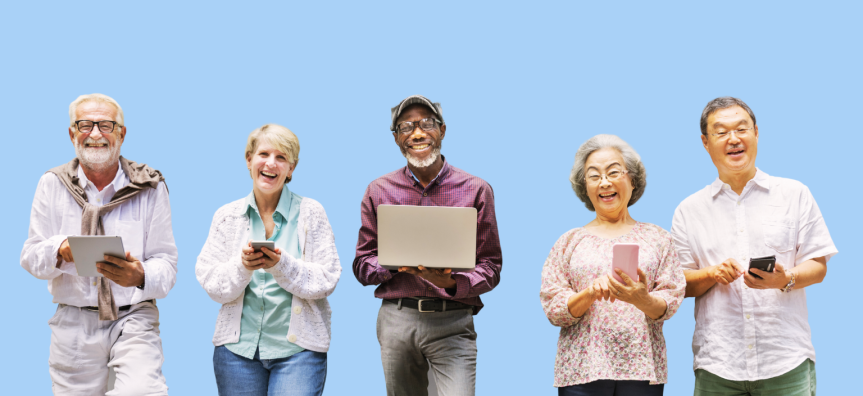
x=273, y=330
x=611, y=340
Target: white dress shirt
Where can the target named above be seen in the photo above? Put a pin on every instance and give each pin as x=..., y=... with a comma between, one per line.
x=144, y=222
x=744, y=334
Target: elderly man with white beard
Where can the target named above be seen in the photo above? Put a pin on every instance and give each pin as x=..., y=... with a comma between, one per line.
x=441, y=334
x=108, y=322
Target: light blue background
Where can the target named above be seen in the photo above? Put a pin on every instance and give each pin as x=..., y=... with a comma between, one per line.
x=522, y=86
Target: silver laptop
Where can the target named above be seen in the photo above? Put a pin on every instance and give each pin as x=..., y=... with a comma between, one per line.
x=431, y=236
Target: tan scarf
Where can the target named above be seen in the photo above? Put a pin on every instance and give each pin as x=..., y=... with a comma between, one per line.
x=140, y=177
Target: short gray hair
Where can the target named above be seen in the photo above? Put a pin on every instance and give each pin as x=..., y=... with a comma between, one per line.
x=722, y=103
x=631, y=159
x=95, y=97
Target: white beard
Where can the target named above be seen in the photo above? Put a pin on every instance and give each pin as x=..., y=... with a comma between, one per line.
x=422, y=164
x=97, y=159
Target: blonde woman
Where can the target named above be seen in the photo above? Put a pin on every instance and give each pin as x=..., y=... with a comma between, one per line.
x=273, y=330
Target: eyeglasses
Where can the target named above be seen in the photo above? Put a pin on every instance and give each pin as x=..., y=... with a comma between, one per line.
x=741, y=133
x=612, y=176
x=86, y=126
x=426, y=124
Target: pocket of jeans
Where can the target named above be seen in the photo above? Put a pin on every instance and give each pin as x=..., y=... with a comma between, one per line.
x=778, y=236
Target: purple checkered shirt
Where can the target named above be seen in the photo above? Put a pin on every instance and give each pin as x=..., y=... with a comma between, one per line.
x=451, y=187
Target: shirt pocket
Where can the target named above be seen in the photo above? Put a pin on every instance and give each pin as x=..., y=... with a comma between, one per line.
x=132, y=232
x=778, y=235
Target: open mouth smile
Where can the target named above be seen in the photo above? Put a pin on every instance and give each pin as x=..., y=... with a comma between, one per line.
x=268, y=175
x=608, y=196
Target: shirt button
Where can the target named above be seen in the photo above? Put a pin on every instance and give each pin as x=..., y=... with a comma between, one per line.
x=748, y=316
x=297, y=310
x=738, y=203
x=425, y=194
x=431, y=288
x=741, y=230
x=94, y=283
x=750, y=346
x=293, y=338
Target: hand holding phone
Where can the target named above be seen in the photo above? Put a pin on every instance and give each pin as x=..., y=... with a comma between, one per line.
x=625, y=257
x=765, y=264
x=257, y=245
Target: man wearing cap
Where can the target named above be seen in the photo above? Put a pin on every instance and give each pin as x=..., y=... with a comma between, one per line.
x=443, y=337
x=107, y=323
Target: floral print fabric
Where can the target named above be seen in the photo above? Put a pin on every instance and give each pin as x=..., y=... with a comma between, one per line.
x=613, y=341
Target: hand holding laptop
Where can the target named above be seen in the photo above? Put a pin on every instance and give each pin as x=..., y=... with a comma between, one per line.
x=439, y=277
x=126, y=272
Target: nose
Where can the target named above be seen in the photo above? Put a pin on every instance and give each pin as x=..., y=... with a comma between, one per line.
x=604, y=182
x=95, y=134
x=733, y=139
x=417, y=133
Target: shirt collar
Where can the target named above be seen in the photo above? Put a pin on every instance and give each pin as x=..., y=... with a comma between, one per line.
x=118, y=182
x=761, y=179
x=282, y=207
x=444, y=171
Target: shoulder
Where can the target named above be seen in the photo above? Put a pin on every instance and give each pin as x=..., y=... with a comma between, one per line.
x=788, y=187
x=653, y=231
x=231, y=210
x=386, y=180
x=470, y=181
x=310, y=206
x=569, y=238
x=697, y=199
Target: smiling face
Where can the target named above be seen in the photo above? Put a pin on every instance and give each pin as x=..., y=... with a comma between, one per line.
x=269, y=168
x=610, y=198
x=421, y=148
x=96, y=150
x=733, y=156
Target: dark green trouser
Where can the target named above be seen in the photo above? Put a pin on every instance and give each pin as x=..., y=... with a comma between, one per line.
x=797, y=382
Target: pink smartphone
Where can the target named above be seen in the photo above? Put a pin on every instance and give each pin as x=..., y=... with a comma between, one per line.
x=625, y=257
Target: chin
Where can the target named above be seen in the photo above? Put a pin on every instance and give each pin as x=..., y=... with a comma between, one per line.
x=425, y=162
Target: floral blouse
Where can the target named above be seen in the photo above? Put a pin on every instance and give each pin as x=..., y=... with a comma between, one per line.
x=613, y=341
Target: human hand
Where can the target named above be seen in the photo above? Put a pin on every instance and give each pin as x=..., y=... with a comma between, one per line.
x=126, y=272
x=600, y=290
x=726, y=272
x=629, y=291
x=263, y=259
x=777, y=279
x=65, y=252
x=439, y=277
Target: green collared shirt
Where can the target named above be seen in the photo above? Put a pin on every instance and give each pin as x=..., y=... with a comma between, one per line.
x=266, y=305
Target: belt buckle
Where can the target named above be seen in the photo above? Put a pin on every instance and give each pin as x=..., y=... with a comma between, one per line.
x=420, y=304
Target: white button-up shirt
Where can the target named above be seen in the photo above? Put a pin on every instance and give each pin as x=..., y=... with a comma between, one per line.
x=744, y=334
x=144, y=223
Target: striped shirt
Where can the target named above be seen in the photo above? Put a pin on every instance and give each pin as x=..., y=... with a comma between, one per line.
x=452, y=187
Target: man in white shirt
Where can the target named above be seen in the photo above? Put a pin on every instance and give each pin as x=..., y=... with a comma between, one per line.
x=110, y=323
x=752, y=334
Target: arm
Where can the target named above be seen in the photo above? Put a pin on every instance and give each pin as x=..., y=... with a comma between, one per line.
x=160, y=251
x=699, y=280
x=366, y=268
x=807, y=273
x=220, y=271
x=489, y=258
x=40, y=253
x=316, y=275
x=563, y=306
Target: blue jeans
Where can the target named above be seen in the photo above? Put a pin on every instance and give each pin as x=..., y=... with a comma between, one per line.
x=302, y=374
x=612, y=388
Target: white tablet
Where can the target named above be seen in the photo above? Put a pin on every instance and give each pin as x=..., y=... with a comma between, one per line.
x=431, y=236
x=91, y=249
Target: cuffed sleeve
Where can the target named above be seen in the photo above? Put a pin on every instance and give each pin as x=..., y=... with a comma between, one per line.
x=365, y=265
x=39, y=255
x=160, y=251
x=557, y=288
x=220, y=270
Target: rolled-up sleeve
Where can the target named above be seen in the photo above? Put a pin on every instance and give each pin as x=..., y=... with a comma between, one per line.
x=813, y=237
x=557, y=287
x=669, y=282
x=160, y=251
x=39, y=255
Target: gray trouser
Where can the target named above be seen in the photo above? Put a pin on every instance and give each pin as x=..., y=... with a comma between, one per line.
x=83, y=348
x=411, y=340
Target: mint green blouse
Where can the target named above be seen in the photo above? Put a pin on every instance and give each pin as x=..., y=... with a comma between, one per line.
x=266, y=306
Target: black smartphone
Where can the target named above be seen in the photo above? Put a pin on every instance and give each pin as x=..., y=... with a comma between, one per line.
x=765, y=264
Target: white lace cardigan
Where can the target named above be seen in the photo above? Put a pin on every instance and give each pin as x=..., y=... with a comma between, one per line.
x=310, y=279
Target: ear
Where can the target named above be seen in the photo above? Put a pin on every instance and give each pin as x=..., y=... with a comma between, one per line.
x=704, y=141
x=249, y=161
x=756, y=132
x=122, y=134
x=396, y=139
x=71, y=135
x=442, y=131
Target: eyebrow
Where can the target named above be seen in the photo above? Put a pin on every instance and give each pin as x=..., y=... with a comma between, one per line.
x=739, y=123
x=609, y=166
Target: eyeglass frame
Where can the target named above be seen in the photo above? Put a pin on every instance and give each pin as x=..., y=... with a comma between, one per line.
x=95, y=124
x=604, y=176
x=416, y=125
x=727, y=135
